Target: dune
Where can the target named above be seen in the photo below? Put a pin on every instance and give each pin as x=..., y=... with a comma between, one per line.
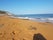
x=20, y=29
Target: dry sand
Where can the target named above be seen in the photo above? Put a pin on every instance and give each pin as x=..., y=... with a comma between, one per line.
x=19, y=29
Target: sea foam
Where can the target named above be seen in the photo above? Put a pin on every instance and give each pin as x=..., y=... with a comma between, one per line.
x=36, y=19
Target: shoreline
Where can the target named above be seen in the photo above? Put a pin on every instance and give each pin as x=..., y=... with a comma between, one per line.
x=36, y=19
x=30, y=18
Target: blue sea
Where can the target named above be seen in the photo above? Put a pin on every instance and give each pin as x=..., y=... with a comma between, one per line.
x=37, y=15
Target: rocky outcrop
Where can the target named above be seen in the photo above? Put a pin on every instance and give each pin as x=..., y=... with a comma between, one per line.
x=2, y=13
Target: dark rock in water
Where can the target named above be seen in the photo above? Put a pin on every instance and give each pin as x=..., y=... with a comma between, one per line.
x=38, y=37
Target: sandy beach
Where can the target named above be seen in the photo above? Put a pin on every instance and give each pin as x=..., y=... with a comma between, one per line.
x=26, y=19
x=20, y=29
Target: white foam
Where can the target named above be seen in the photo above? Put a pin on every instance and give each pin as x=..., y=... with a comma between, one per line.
x=36, y=19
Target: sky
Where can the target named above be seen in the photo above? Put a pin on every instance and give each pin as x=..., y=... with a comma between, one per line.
x=27, y=6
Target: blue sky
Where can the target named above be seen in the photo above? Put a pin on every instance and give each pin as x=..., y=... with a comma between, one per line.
x=27, y=6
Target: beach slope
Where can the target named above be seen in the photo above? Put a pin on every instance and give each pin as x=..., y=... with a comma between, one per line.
x=20, y=29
